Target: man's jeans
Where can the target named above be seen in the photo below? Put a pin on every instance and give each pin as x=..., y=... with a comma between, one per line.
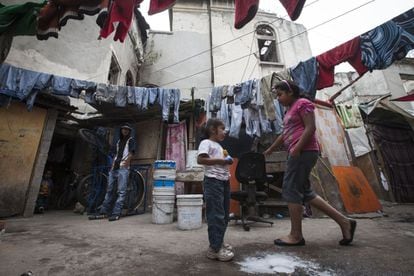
x=120, y=176
x=217, y=198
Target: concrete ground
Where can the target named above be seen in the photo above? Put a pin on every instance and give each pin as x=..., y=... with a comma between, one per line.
x=63, y=243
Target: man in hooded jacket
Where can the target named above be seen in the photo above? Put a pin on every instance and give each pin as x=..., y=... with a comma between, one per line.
x=119, y=173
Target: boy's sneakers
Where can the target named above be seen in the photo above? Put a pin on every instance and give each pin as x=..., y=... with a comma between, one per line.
x=113, y=217
x=223, y=255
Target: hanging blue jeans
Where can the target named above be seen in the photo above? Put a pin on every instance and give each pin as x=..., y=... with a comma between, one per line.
x=120, y=176
x=217, y=199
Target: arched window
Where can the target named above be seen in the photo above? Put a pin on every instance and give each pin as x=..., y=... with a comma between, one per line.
x=129, y=79
x=266, y=39
x=114, y=71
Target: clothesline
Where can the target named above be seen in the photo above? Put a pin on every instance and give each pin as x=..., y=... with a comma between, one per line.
x=25, y=84
x=253, y=102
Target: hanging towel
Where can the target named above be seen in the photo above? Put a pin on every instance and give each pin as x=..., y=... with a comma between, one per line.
x=305, y=74
x=157, y=6
x=293, y=7
x=245, y=10
x=121, y=12
x=349, y=51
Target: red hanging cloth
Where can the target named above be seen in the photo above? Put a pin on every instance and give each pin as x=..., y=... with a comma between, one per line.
x=157, y=6
x=245, y=10
x=293, y=7
x=120, y=11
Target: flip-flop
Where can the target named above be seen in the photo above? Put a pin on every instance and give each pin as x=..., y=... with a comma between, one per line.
x=283, y=243
x=349, y=241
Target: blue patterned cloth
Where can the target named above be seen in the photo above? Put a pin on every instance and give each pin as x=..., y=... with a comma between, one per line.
x=391, y=41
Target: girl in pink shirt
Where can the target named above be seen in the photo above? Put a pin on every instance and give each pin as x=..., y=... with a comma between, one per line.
x=303, y=150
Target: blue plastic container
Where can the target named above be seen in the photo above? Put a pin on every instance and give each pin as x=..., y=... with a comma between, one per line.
x=164, y=164
x=164, y=183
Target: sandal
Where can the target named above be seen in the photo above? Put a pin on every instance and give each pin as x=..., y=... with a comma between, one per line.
x=345, y=241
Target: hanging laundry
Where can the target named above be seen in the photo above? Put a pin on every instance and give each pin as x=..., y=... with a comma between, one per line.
x=19, y=19
x=175, y=148
x=265, y=125
x=61, y=86
x=78, y=85
x=121, y=96
x=157, y=6
x=293, y=7
x=305, y=74
x=389, y=42
x=245, y=11
x=266, y=85
x=105, y=93
x=350, y=115
x=215, y=99
x=224, y=114
x=278, y=123
x=168, y=97
x=252, y=121
x=48, y=22
x=21, y=83
x=349, y=51
x=138, y=97
x=236, y=121
x=406, y=22
x=56, y=13
x=152, y=96
x=131, y=95
x=121, y=12
x=246, y=94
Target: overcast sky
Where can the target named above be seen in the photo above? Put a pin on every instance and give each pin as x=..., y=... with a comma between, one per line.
x=331, y=34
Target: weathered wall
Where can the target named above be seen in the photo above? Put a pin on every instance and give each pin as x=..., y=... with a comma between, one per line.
x=190, y=37
x=148, y=136
x=77, y=53
x=20, y=133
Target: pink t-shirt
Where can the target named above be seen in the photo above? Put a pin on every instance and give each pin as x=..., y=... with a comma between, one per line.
x=294, y=127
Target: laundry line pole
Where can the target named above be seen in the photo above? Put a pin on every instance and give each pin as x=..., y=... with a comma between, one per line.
x=334, y=96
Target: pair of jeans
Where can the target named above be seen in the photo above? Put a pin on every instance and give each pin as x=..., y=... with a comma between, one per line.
x=217, y=199
x=121, y=176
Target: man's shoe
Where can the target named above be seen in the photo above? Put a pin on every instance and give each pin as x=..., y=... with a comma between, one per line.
x=113, y=218
x=228, y=247
x=222, y=255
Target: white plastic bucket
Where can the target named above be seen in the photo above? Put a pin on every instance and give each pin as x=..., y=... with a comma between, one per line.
x=192, y=160
x=165, y=174
x=189, y=210
x=163, y=200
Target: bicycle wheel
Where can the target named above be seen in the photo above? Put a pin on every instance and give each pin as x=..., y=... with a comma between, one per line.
x=90, y=137
x=91, y=189
x=135, y=191
x=65, y=199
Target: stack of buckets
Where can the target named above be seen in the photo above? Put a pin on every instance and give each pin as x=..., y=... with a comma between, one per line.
x=163, y=194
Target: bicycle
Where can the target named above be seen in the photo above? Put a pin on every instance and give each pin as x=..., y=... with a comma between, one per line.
x=92, y=188
x=69, y=191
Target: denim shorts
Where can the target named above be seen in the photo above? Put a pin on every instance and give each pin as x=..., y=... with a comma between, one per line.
x=296, y=184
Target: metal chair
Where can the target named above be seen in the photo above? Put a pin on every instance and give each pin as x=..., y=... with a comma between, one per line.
x=251, y=173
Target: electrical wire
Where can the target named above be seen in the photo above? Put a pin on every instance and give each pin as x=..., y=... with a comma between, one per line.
x=278, y=43
x=224, y=43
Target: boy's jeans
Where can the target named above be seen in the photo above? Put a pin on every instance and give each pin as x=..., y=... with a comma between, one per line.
x=217, y=198
x=120, y=176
